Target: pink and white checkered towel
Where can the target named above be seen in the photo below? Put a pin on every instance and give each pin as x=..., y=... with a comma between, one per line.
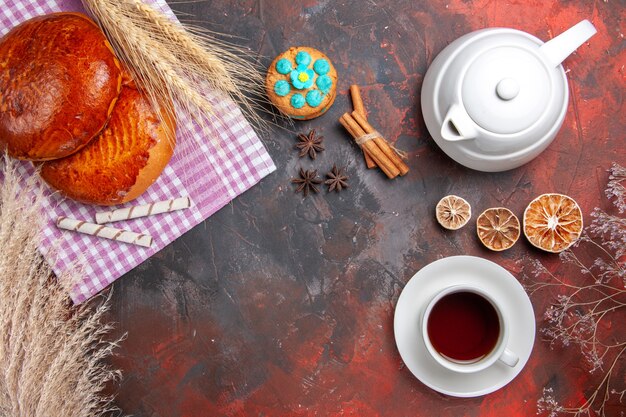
x=212, y=176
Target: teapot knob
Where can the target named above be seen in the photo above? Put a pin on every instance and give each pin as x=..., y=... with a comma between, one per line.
x=507, y=89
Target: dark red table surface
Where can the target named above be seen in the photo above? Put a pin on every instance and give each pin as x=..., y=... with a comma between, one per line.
x=283, y=306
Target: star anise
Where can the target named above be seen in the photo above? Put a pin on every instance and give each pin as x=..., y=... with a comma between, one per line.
x=310, y=144
x=337, y=180
x=307, y=181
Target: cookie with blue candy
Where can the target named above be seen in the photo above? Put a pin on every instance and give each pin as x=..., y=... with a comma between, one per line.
x=302, y=83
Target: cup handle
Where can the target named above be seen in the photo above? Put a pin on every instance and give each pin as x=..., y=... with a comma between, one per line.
x=509, y=358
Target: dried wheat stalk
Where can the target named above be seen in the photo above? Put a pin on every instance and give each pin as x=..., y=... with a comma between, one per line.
x=183, y=63
x=51, y=353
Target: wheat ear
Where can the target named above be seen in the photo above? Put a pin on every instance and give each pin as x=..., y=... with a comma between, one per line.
x=195, y=44
x=166, y=59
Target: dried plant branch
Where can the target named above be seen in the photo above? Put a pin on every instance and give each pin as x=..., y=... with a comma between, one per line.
x=169, y=60
x=588, y=303
x=51, y=353
x=616, y=188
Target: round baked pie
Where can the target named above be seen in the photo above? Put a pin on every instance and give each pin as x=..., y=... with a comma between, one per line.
x=301, y=83
x=124, y=160
x=59, y=81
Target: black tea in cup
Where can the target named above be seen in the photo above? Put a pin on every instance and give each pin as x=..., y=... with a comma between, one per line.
x=463, y=326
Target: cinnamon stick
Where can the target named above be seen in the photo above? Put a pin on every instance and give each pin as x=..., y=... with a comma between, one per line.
x=357, y=101
x=369, y=162
x=382, y=144
x=357, y=104
x=372, y=148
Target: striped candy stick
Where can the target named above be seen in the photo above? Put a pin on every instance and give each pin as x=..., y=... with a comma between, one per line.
x=143, y=211
x=104, y=232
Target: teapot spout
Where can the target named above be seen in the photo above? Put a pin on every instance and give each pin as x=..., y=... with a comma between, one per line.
x=559, y=48
x=457, y=125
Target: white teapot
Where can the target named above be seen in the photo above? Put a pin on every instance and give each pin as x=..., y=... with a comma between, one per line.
x=494, y=99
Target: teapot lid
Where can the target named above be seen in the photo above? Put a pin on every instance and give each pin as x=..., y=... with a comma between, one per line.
x=507, y=89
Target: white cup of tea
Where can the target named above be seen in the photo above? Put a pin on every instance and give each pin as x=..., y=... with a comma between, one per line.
x=465, y=330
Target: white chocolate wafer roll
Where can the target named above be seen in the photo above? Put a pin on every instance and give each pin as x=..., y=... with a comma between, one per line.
x=104, y=232
x=143, y=211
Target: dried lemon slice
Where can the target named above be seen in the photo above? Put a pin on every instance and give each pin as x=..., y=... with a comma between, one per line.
x=453, y=212
x=498, y=228
x=553, y=222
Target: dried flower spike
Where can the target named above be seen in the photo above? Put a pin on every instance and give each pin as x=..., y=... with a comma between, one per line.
x=47, y=345
x=337, y=180
x=310, y=144
x=307, y=181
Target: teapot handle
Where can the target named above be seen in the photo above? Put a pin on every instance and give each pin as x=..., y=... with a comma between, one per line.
x=457, y=125
x=559, y=48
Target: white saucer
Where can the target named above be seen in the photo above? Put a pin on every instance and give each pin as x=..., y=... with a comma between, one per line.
x=501, y=285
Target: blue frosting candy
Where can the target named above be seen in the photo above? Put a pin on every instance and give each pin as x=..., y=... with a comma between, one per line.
x=324, y=83
x=283, y=66
x=302, y=77
x=303, y=58
x=297, y=101
x=314, y=98
x=281, y=88
x=321, y=66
